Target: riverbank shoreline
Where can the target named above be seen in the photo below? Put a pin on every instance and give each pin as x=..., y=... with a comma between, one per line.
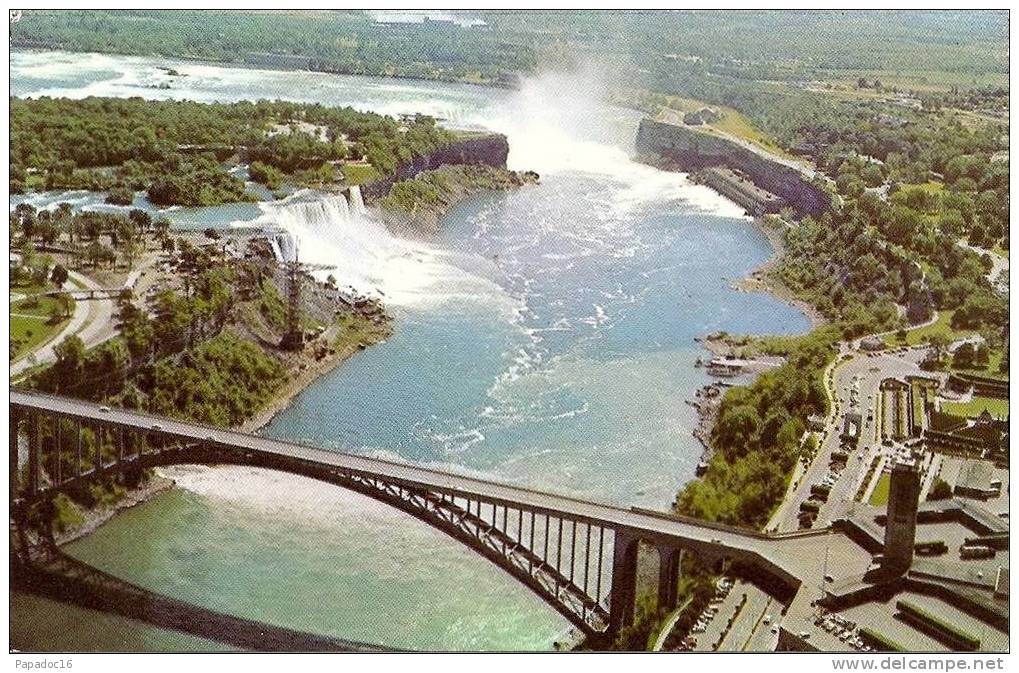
x=708, y=398
x=312, y=371
x=307, y=373
x=419, y=204
x=762, y=278
x=96, y=517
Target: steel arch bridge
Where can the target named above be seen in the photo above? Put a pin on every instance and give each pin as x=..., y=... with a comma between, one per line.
x=580, y=557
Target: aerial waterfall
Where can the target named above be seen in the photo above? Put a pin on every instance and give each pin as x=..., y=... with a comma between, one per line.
x=364, y=255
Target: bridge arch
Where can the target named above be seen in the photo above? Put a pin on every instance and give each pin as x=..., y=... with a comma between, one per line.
x=560, y=559
x=576, y=555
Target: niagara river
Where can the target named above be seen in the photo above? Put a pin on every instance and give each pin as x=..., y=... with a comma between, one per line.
x=543, y=337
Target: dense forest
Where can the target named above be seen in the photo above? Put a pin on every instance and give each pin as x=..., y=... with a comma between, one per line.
x=179, y=151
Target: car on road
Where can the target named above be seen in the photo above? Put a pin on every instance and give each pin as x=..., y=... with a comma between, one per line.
x=105, y=409
x=157, y=427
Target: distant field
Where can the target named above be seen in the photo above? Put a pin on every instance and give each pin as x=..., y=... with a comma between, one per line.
x=976, y=406
x=732, y=122
x=924, y=81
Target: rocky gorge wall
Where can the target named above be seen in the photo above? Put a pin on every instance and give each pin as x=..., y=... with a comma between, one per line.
x=488, y=150
x=688, y=149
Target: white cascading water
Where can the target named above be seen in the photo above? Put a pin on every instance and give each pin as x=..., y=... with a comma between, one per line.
x=356, y=201
x=365, y=255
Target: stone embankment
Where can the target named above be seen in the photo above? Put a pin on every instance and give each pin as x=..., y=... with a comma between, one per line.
x=689, y=149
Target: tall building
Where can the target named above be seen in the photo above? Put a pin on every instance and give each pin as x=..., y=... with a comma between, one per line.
x=900, y=523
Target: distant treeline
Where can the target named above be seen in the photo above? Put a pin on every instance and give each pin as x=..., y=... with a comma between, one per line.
x=762, y=45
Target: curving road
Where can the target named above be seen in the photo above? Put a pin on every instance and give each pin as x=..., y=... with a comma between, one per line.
x=92, y=322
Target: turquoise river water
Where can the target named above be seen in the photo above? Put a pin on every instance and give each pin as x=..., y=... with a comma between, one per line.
x=543, y=337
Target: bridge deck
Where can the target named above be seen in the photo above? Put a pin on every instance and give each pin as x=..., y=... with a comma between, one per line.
x=409, y=474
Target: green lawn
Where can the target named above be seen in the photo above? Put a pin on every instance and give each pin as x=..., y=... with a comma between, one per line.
x=30, y=320
x=920, y=335
x=358, y=174
x=993, y=368
x=1000, y=251
x=40, y=306
x=880, y=494
x=976, y=406
x=28, y=333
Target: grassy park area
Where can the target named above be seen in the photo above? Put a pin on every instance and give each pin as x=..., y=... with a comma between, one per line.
x=942, y=326
x=34, y=320
x=880, y=494
x=976, y=406
x=358, y=174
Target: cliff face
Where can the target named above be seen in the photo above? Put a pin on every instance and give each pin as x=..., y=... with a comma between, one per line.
x=690, y=150
x=489, y=150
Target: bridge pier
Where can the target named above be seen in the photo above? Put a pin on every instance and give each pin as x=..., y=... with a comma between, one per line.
x=624, y=581
x=34, y=423
x=77, y=448
x=669, y=563
x=55, y=471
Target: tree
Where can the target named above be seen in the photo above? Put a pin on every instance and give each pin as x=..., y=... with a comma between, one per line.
x=66, y=371
x=872, y=176
x=963, y=356
x=65, y=303
x=141, y=220
x=112, y=359
x=736, y=428
x=952, y=224
x=162, y=227
x=94, y=253
x=120, y=196
x=131, y=250
x=59, y=275
x=56, y=315
x=940, y=490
